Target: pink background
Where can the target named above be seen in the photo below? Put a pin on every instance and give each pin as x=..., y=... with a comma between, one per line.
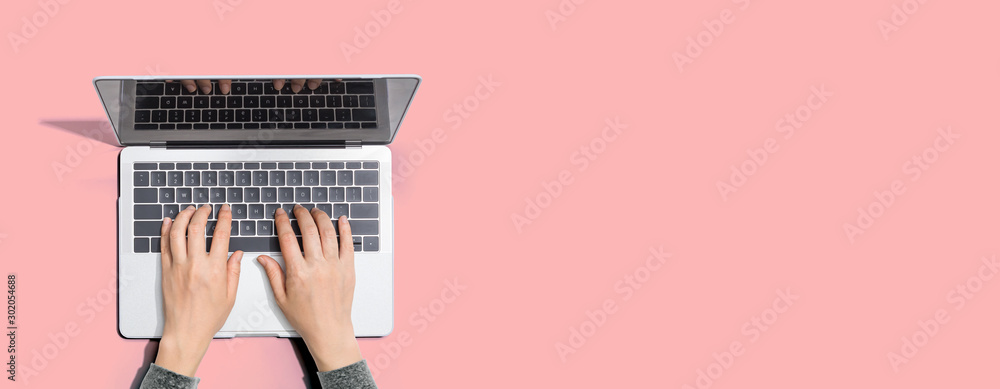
x=652, y=186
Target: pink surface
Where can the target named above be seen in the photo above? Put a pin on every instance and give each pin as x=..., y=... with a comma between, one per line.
x=868, y=88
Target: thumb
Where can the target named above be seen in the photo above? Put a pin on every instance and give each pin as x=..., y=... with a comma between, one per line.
x=233, y=271
x=275, y=275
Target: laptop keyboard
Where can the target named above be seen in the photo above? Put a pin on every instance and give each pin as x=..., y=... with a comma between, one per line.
x=255, y=104
x=255, y=190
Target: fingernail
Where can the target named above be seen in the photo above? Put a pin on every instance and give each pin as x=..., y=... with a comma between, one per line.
x=279, y=211
x=189, y=207
x=225, y=207
x=313, y=84
x=296, y=88
x=166, y=219
x=223, y=88
x=260, y=259
x=297, y=206
x=191, y=88
x=206, y=89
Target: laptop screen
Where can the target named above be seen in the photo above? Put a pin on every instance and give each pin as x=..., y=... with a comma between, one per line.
x=256, y=110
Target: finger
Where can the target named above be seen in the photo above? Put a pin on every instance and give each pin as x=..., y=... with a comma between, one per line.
x=327, y=234
x=313, y=83
x=275, y=275
x=346, y=242
x=196, y=231
x=233, y=270
x=165, y=258
x=310, y=233
x=224, y=86
x=220, y=237
x=286, y=239
x=205, y=85
x=297, y=84
x=278, y=83
x=189, y=85
x=178, y=240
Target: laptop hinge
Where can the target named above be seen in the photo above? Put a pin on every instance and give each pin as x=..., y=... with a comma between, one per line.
x=353, y=144
x=157, y=144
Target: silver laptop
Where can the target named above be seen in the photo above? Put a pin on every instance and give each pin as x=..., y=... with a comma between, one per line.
x=258, y=147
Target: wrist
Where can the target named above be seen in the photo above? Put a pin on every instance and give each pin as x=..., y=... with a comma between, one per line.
x=180, y=355
x=332, y=352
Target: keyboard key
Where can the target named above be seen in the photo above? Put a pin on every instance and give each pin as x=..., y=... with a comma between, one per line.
x=267, y=101
x=276, y=115
x=166, y=195
x=146, y=228
x=140, y=178
x=258, y=115
x=171, y=210
x=364, y=210
x=367, y=101
x=351, y=101
x=159, y=116
x=366, y=177
x=158, y=178
x=183, y=166
x=328, y=208
x=363, y=114
x=371, y=243
x=234, y=195
x=210, y=228
x=172, y=88
x=239, y=212
x=255, y=88
x=201, y=101
x=302, y=195
x=201, y=165
x=265, y=228
x=251, y=195
x=352, y=125
x=141, y=245
x=328, y=177
x=362, y=227
x=337, y=87
x=142, y=116
x=147, y=102
x=234, y=165
x=370, y=194
x=238, y=88
x=243, y=115
x=226, y=115
x=293, y=114
x=149, y=88
x=255, y=211
x=284, y=101
x=183, y=195
x=147, y=212
x=210, y=115
x=218, y=101
x=353, y=194
x=286, y=165
x=300, y=101
x=259, y=178
x=294, y=178
x=336, y=165
x=192, y=116
x=251, y=101
x=200, y=195
x=168, y=102
x=192, y=178
x=210, y=178
x=327, y=115
x=340, y=210
x=217, y=195
x=217, y=165
x=226, y=178
x=248, y=228
x=234, y=102
x=269, y=195
x=154, y=245
x=309, y=115
x=370, y=165
x=310, y=178
x=369, y=125
x=343, y=115
x=243, y=178
x=175, y=178
x=317, y=101
x=185, y=102
x=361, y=88
x=319, y=194
x=269, y=209
x=337, y=194
x=358, y=243
x=144, y=166
x=277, y=178
x=345, y=177
x=286, y=195
x=254, y=244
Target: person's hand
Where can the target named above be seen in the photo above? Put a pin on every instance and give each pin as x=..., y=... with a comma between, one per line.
x=199, y=288
x=316, y=291
x=225, y=85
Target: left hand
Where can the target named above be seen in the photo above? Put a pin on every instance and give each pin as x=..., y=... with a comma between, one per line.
x=199, y=288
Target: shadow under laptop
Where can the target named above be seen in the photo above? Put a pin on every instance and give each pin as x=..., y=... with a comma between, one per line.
x=148, y=356
x=93, y=129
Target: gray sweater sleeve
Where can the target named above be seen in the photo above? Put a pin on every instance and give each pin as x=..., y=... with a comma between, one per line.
x=161, y=378
x=354, y=376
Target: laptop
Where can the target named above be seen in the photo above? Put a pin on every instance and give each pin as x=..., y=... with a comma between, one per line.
x=261, y=146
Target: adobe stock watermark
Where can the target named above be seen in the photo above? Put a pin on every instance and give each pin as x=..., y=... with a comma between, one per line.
x=626, y=287
x=958, y=296
x=900, y=15
x=752, y=329
x=31, y=25
x=698, y=43
x=223, y=7
x=421, y=319
x=787, y=125
x=884, y=199
x=363, y=35
x=581, y=159
x=87, y=311
x=404, y=166
x=76, y=153
x=563, y=10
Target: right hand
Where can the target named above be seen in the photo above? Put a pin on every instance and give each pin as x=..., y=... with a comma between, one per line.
x=315, y=292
